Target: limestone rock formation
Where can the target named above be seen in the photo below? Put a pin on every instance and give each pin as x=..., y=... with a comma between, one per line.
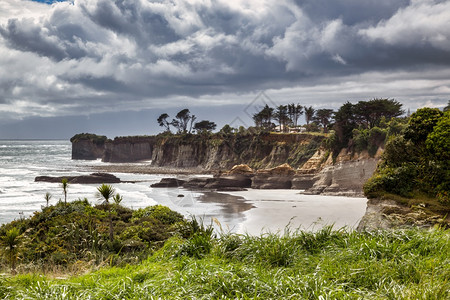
x=346, y=177
x=279, y=177
x=241, y=169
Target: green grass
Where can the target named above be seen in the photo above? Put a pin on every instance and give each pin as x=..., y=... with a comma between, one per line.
x=328, y=264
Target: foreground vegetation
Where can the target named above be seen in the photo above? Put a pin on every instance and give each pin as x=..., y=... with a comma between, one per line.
x=77, y=236
x=409, y=264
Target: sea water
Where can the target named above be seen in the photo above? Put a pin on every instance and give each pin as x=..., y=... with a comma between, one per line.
x=20, y=196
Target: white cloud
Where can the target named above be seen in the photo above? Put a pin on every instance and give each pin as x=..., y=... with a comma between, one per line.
x=423, y=22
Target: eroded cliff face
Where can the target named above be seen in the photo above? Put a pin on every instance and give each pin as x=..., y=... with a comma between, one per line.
x=129, y=149
x=85, y=149
x=222, y=154
x=346, y=176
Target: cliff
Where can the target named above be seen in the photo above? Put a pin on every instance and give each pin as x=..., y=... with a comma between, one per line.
x=346, y=176
x=129, y=149
x=87, y=146
x=204, y=152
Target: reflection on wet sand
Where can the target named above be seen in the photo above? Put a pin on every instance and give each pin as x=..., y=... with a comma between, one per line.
x=232, y=208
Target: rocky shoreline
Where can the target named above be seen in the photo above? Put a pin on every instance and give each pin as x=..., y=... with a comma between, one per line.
x=389, y=214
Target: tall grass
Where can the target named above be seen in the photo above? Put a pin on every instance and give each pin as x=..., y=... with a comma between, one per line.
x=328, y=264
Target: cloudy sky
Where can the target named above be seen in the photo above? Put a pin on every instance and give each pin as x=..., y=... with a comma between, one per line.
x=111, y=67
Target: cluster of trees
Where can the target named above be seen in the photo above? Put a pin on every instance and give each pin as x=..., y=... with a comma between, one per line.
x=184, y=123
x=364, y=117
x=287, y=116
x=416, y=159
x=366, y=114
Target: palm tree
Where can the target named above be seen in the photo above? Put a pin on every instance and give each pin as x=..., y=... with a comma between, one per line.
x=11, y=242
x=65, y=184
x=309, y=114
x=106, y=191
x=47, y=197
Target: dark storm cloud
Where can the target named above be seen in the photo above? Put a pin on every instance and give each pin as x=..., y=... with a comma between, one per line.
x=352, y=12
x=91, y=54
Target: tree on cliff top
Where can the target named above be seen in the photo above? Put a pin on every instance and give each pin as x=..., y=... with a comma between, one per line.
x=323, y=117
x=370, y=113
x=309, y=114
x=281, y=115
x=204, y=126
x=264, y=117
x=294, y=112
x=182, y=119
x=163, y=122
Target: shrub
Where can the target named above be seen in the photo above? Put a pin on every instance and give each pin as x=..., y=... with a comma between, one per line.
x=159, y=212
x=398, y=181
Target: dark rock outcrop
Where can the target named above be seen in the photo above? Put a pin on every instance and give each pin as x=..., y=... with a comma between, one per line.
x=197, y=182
x=169, y=182
x=236, y=181
x=273, y=182
x=94, y=178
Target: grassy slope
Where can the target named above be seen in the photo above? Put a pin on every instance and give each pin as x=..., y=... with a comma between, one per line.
x=411, y=264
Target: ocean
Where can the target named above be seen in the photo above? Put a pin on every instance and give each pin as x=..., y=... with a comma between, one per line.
x=21, y=161
x=251, y=211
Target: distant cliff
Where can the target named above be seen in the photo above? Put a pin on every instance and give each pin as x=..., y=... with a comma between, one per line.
x=129, y=149
x=207, y=152
x=88, y=146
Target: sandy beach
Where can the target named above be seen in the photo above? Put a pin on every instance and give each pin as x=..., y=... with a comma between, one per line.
x=255, y=211
x=260, y=211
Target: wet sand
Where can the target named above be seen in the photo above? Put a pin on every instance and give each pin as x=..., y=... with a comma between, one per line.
x=260, y=211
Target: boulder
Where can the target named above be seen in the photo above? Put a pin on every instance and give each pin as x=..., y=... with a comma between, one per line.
x=197, y=182
x=241, y=169
x=284, y=169
x=236, y=181
x=231, y=189
x=303, y=182
x=169, y=182
x=272, y=182
x=279, y=177
x=94, y=178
